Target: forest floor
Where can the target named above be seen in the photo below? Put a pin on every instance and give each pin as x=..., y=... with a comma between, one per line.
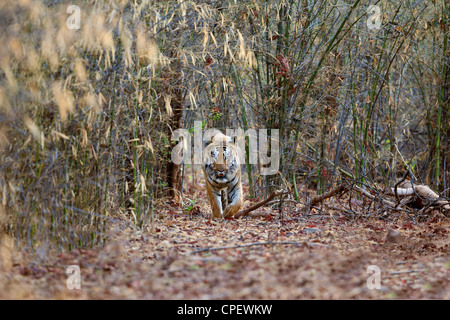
x=320, y=255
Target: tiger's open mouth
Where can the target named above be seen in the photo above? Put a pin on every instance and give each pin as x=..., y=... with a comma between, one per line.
x=221, y=175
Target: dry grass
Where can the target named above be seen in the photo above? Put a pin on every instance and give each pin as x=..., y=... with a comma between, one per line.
x=77, y=120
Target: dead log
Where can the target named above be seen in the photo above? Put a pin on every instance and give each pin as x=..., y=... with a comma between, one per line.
x=421, y=196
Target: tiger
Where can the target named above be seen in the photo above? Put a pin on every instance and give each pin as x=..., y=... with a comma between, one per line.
x=222, y=171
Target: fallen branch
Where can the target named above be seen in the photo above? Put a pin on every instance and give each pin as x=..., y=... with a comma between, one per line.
x=368, y=195
x=246, y=212
x=328, y=194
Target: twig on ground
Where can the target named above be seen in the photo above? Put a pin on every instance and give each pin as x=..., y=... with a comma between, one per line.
x=284, y=200
x=312, y=244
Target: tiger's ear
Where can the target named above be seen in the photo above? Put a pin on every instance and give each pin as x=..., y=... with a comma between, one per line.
x=229, y=140
x=209, y=135
x=207, y=142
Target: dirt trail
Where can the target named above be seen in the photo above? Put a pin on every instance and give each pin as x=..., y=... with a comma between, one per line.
x=299, y=257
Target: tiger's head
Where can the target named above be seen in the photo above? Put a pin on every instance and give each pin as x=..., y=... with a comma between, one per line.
x=220, y=159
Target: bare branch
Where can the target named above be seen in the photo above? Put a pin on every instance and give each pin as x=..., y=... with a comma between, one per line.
x=326, y=195
x=246, y=212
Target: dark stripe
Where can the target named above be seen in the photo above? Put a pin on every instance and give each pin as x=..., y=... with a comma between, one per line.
x=234, y=187
x=232, y=180
x=214, y=183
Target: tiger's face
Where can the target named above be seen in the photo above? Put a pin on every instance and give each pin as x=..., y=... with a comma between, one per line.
x=220, y=159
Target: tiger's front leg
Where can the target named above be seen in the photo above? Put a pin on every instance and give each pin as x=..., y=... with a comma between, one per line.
x=216, y=203
x=234, y=201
